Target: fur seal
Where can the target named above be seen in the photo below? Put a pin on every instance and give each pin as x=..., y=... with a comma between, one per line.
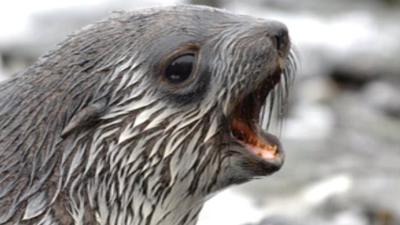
x=139, y=118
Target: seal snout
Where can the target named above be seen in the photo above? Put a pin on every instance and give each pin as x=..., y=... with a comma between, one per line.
x=280, y=36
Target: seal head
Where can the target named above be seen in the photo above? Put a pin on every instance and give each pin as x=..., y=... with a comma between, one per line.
x=139, y=118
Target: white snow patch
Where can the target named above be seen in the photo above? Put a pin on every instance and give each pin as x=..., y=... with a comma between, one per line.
x=230, y=207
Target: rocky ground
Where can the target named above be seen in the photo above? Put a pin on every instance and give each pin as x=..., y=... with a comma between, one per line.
x=342, y=135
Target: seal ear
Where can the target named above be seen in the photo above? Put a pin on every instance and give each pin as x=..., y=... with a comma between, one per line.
x=86, y=116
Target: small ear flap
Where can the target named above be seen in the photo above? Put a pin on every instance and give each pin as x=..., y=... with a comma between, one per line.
x=84, y=117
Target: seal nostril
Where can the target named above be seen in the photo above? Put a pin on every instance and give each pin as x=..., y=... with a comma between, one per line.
x=280, y=35
x=280, y=42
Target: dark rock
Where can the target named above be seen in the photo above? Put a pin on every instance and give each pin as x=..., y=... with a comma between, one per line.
x=351, y=78
x=214, y=3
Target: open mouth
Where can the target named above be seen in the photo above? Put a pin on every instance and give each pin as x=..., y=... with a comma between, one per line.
x=246, y=127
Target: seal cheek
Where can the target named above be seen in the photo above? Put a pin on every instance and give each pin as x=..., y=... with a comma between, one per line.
x=85, y=117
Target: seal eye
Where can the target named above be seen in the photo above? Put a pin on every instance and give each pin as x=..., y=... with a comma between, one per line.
x=180, y=69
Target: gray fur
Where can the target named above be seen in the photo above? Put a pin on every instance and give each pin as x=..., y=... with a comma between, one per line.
x=90, y=135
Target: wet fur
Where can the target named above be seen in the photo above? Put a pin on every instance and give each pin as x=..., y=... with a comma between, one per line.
x=89, y=134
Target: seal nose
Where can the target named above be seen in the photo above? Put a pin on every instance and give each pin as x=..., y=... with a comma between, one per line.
x=280, y=36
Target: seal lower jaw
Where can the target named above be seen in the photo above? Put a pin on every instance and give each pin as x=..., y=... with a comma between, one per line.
x=246, y=131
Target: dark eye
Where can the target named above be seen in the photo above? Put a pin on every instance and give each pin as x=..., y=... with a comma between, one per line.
x=180, y=69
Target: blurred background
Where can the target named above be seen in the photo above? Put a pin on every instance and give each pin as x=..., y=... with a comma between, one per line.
x=342, y=133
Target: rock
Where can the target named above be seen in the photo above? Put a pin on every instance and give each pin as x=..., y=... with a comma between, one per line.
x=214, y=3
x=384, y=96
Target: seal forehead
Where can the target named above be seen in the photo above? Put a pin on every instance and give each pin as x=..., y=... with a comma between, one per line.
x=199, y=20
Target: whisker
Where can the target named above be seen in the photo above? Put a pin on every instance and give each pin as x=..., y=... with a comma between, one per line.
x=263, y=115
x=271, y=108
x=277, y=102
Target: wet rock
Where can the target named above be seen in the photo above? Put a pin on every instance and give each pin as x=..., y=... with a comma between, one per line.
x=351, y=78
x=391, y=3
x=214, y=3
x=384, y=96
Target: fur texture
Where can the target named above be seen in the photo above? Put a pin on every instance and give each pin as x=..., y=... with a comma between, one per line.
x=91, y=133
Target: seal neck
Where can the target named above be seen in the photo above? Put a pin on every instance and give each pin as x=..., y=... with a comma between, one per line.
x=172, y=207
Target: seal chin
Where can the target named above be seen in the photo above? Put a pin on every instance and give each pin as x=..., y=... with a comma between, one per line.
x=263, y=149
